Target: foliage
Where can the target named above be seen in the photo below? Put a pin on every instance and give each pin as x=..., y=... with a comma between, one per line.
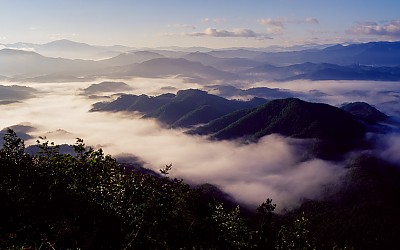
x=87, y=200
x=297, y=237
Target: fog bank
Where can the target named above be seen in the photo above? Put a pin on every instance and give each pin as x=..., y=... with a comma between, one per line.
x=272, y=168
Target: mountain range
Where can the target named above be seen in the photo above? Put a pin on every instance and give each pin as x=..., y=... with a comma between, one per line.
x=378, y=61
x=185, y=109
x=332, y=130
x=71, y=49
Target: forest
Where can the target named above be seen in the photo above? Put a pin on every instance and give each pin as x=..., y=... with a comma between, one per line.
x=87, y=200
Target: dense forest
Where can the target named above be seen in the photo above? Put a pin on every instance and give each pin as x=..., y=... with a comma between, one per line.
x=87, y=200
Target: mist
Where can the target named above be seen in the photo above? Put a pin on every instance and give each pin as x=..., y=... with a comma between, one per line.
x=383, y=95
x=272, y=168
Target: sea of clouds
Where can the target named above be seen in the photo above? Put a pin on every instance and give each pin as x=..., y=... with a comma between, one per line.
x=274, y=167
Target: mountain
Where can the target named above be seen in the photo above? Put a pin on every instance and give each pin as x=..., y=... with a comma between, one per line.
x=131, y=58
x=221, y=123
x=323, y=71
x=15, y=93
x=163, y=67
x=192, y=107
x=186, y=108
x=228, y=91
x=362, y=209
x=292, y=117
x=236, y=53
x=22, y=130
x=377, y=61
x=353, y=72
x=25, y=64
x=373, y=53
x=365, y=112
x=235, y=64
x=106, y=87
x=70, y=49
x=143, y=103
x=203, y=58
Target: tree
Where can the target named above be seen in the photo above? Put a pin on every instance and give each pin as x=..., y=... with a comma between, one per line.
x=297, y=236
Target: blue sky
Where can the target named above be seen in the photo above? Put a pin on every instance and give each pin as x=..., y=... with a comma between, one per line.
x=222, y=23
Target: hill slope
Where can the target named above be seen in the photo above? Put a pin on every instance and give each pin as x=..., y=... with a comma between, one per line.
x=365, y=112
x=289, y=117
x=187, y=108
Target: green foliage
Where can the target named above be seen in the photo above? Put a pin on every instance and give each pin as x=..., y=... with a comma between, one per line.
x=233, y=232
x=87, y=200
x=297, y=237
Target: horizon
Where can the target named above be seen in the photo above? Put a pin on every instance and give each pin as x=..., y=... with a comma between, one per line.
x=209, y=24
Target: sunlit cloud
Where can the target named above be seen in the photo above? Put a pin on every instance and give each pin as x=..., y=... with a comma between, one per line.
x=212, y=20
x=311, y=20
x=390, y=29
x=281, y=21
x=275, y=26
x=277, y=22
x=183, y=26
x=246, y=33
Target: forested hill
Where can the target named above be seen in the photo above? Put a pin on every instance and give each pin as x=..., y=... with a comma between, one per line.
x=186, y=108
x=90, y=201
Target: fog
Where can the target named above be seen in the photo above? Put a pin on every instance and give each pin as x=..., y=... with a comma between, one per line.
x=383, y=95
x=272, y=168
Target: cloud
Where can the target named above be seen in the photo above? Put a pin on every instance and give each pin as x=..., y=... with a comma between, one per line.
x=210, y=20
x=281, y=21
x=22, y=48
x=277, y=22
x=247, y=33
x=272, y=168
x=275, y=26
x=390, y=29
x=387, y=147
x=183, y=26
x=311, y=20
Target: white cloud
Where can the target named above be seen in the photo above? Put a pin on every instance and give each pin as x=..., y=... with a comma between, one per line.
x=311, y=20
x=277, y=22
x=272, y=168
x=183, y=26
x=390, y=29
x=213, y=20
x=275, y=26
x=247, y=33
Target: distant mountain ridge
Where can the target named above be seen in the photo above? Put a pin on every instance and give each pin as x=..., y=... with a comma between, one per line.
x=377, y=61
x=324, y=71
x=71, y=50
x=373, y=53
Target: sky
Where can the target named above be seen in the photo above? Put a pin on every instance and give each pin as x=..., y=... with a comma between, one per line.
x=207, y=23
